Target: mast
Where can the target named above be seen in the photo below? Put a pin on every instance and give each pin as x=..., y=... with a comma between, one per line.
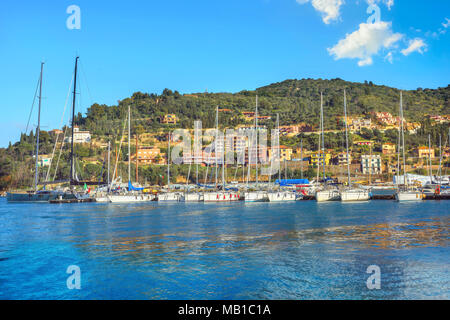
x=137, y=161
x=129, y=144
x=256, y=132
x=109, y=160
x=38, y=129
x=168, y=165
x=216, y=140
x=301, y=158
x=278, y=151
x=403, y=139
x=346, y=137
x=223, y=164
x=323, y=134
x=73, y=122
x=429, y=160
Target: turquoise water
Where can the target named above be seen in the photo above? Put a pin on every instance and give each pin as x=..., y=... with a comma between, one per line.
x=300, y=250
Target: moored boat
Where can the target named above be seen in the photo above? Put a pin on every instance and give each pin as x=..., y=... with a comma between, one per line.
x=256, y=196
x=355, y=195
x=409, y=195
x=282, y=196
x=221, y=196
x=327, y=195
x=170, y=197
x=193, y=197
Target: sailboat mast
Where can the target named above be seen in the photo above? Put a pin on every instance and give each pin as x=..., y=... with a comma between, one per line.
x=38, y=129
x=168, y=164
x=216, y=140
x=278, y=146
x=256, y=132
x=346, y=137
x=323, y=134
x=403, y=139
x=301, y=158
x=109, y=160
x=429, y=159
x=73, y=121
x=129, y=144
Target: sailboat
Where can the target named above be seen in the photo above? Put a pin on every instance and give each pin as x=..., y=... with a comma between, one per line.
x=195, y=196
x=258, y=195
x=35, y=195
x=326, y=193
x=133, y=194
x=223, y=195
x=280, y=195
x=406, y=193
x=169, y=196
x=349, y=193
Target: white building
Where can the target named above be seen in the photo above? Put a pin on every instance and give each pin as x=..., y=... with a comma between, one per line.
x=79, y=136
x=371, y=164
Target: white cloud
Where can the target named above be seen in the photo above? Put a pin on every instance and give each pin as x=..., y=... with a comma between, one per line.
x=388, y=3
x=330, y=9
x=365, y=42
x=446, y=24
x=415, y=45
x=389, y=57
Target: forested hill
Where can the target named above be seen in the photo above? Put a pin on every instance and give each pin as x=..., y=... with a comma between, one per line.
x=295, y=101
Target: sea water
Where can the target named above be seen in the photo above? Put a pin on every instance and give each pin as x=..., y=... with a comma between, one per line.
x=299, y=250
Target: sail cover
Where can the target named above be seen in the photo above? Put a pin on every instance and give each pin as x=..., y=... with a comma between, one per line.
x=132, y=188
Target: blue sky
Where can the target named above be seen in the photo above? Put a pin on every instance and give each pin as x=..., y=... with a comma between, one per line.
x=191, y=46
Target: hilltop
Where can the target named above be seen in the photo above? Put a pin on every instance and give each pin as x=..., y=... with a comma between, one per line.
x=295, y=100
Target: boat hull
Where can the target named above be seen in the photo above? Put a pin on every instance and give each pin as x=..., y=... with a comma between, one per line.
x=408, y=196
x=193, y=197
x=31, y=197
x=256, y=197
x=327, y=195
x=221, y=196
x=355, y=195
x=170, y=197
x=129, y=198
x=282, y=196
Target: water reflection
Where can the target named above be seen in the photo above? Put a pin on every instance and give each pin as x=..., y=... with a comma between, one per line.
x=235, y=251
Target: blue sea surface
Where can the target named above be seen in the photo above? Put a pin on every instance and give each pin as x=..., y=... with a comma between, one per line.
x=301, y=250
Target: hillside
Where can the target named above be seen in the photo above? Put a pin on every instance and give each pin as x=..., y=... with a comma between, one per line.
x=295, y=100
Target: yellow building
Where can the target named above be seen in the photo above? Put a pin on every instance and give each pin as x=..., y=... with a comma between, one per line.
x=169, y=119
x=388, y=148
x=285, y=153
x=319, y=156
x=424, y=152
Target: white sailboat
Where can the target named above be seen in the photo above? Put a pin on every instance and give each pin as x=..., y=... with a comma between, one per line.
x=131, y=195
x=350, y=194
x=280, y=195
x=170, y=196
x=194, y=196
x=406, y=193
x=224, y=195
x=258, y=195
x=326, y=193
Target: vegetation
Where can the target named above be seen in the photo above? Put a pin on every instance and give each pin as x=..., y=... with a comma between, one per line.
x=296, y=101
